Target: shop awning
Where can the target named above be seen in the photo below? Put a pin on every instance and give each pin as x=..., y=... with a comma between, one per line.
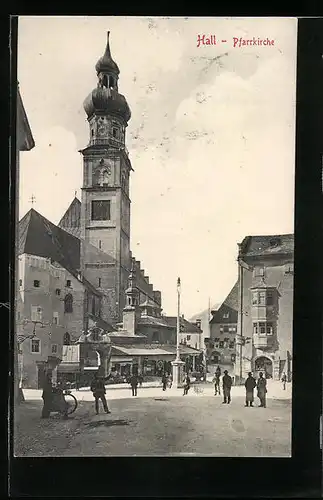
x=69, y=368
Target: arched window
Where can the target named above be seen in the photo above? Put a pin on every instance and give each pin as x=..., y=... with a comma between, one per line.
x=67, y=339
x=68, y=303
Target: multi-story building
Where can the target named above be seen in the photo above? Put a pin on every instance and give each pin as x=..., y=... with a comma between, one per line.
x=221, y=345
x=265, y=310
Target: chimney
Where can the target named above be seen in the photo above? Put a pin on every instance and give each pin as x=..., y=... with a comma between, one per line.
x=130, y=319
x=198, y=323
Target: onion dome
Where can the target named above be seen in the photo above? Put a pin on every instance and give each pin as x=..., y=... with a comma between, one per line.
x=102, y=100
x=106, y=63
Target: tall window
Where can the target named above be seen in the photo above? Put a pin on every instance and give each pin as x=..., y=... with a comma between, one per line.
x=36, y=313
x=35, y=346
x=262, y=298
x=101, y=210
x=231, y=345
x=68, y=283
x=55, y=318
x=221, y=344
x=99, y=282
x=270, y=298
x=226, y=328
x=54, y=348
x=68, y=303
x=226, y=315
x=67, y=339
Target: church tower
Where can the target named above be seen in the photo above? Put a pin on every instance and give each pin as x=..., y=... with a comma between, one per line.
x=105, y=212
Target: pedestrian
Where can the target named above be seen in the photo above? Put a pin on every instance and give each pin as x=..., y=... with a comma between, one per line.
x=218, y=371
x=134, y=384
x=164, y=381
x=226, y=385
x=262, y=390
x=187, y=384
x=98, y=389
x=250, y=384
x=216, y=382
x=284, y=380
x=47, y=396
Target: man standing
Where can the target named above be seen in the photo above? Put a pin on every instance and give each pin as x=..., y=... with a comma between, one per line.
x=98, y=389
x=134, y=384
x=284, y=380
x=262, y=390
x=164, y=381
x=187, y=385
x=216, y=382
x=250, y=384
x=226, y=384
x=47, y=396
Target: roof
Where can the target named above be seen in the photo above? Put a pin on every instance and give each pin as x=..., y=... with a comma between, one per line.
x=253, y=246
x=152, y=320
x=232, y=300
x=153, y=350
x=26, y=141
x=101, y=323
x=71, y=220
x=185, y=326
x=38, y=236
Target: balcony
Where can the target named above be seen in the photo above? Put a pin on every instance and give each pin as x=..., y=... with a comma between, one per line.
x=262, y=341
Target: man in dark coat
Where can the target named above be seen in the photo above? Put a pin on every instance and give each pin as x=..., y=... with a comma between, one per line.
x=164, y=381
x=98, y=389
x=187, y=385
x=226, y=385
x=250, y=384
x=262, y=390
x=134, y=384
x=47, y=396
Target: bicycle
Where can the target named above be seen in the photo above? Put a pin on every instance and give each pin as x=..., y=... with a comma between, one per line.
x=69, y=400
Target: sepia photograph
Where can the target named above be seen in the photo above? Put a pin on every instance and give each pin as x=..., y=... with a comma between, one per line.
x=154, y=236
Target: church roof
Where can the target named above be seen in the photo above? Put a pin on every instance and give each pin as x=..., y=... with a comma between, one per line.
x=152, y=320
x=232, y=300
x=38, y=236
x=257, y=246
x=71, y=220
x=106, y=63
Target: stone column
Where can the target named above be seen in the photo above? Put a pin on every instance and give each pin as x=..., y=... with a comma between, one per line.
x=178, y=373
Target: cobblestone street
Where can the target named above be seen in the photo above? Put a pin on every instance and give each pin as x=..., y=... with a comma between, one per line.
x=158, y=423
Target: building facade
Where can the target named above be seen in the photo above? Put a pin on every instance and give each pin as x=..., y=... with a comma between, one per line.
x=265, y=310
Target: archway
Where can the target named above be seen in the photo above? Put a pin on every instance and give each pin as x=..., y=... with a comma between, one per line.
x=265, y=365
x=215, y=358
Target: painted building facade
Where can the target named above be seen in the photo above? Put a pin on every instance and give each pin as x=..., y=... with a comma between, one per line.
x=265, y=311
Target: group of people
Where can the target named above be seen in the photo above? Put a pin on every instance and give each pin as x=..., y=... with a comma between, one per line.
x=250, y=385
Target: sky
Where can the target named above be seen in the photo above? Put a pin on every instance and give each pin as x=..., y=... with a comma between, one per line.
x=211, y=137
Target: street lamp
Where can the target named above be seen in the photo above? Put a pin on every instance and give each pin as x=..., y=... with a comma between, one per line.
x=178, y=363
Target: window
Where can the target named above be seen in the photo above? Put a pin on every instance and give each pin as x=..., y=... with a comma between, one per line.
x=195, y=345
x=57, y=291
x=36, y=283
x=262, y=328
x=100, y=210
x=255, y=328
x=270, y=298
x=18, y=315
x=92, y=132
x=100, y=243
x=269, y=329
x=36, y=313
x=67, y=339
x=233, y=358
x=68, y=303
x=188, y=337
x=262, y=298
x=216, y=339
x=54, y=348
x=221, y=344
x=225, y=328
x=20, y=282
x=221, y=328
x=35, y=345
x=226, y=340
x=259, y=271
x=93, y=306
x=99, y=280
x=55, y=318
x=231, y=345
x=115, y=132
x=68, y=283
x=225, y=315
x=254, y=298
x=111, y=81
